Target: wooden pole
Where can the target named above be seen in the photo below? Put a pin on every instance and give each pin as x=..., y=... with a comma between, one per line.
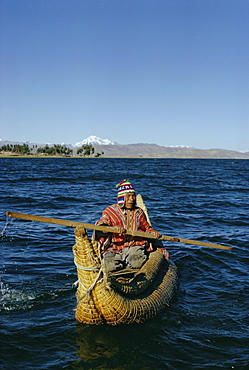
x=109, y=229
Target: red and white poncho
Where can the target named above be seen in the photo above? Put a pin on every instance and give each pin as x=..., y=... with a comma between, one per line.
x=131, y=220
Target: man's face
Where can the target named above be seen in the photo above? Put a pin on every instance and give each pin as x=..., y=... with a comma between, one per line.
x=130, y=200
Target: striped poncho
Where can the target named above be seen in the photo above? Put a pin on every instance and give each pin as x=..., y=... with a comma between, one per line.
x=134, y=219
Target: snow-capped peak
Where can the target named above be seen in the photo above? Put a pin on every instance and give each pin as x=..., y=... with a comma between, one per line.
x=94, y=140
x=180, y=146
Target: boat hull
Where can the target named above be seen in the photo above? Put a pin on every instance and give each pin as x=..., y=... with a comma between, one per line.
x=118, y=298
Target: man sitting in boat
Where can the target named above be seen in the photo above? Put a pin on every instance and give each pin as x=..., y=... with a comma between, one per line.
x=120, y=250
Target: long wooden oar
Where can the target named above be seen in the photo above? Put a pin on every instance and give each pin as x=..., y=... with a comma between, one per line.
x=59, y=221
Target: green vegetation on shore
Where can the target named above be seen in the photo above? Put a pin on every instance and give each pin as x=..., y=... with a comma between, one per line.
x=57, y=150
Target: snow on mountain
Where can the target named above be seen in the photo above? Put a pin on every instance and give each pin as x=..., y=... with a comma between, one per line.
x=180, y=146
x=94, y=140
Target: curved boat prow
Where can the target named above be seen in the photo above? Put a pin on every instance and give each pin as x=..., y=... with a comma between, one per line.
x=122, y=298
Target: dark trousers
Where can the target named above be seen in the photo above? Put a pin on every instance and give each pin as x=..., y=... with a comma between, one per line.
x=131, y=257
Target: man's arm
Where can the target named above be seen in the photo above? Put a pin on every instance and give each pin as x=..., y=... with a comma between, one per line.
x=146, y=227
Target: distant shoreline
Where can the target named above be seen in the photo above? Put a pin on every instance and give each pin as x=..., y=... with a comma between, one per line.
x=128, y=157
x=23, y=150
x=43, y=156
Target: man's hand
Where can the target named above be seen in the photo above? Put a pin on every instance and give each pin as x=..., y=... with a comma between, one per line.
x=121, y=229
x=156, y=234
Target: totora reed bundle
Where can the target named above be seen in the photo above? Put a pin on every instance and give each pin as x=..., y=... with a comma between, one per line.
x=124, y=297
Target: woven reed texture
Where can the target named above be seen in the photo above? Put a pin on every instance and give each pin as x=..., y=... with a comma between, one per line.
x=99, y=303
x=141, y=204
x=142, y=279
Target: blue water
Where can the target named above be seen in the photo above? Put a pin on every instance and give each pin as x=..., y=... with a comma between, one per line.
x=207, y=323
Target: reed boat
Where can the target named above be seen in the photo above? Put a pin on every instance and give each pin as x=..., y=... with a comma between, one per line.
x=122, y=297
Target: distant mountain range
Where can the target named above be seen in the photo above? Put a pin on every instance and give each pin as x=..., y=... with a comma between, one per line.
x=140, y=150
x=94, y=140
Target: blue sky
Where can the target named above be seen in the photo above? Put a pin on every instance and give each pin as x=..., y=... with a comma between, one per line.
x=170, y=72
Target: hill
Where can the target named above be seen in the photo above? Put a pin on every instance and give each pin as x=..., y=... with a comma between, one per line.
x=157, y=151
x=140, y=150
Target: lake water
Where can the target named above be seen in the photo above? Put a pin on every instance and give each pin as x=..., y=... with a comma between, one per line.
x=207, y=324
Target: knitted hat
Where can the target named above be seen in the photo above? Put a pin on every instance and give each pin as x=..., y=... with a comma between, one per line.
x=124, y=187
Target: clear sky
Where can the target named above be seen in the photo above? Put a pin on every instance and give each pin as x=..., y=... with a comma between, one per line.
x=170, y=72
